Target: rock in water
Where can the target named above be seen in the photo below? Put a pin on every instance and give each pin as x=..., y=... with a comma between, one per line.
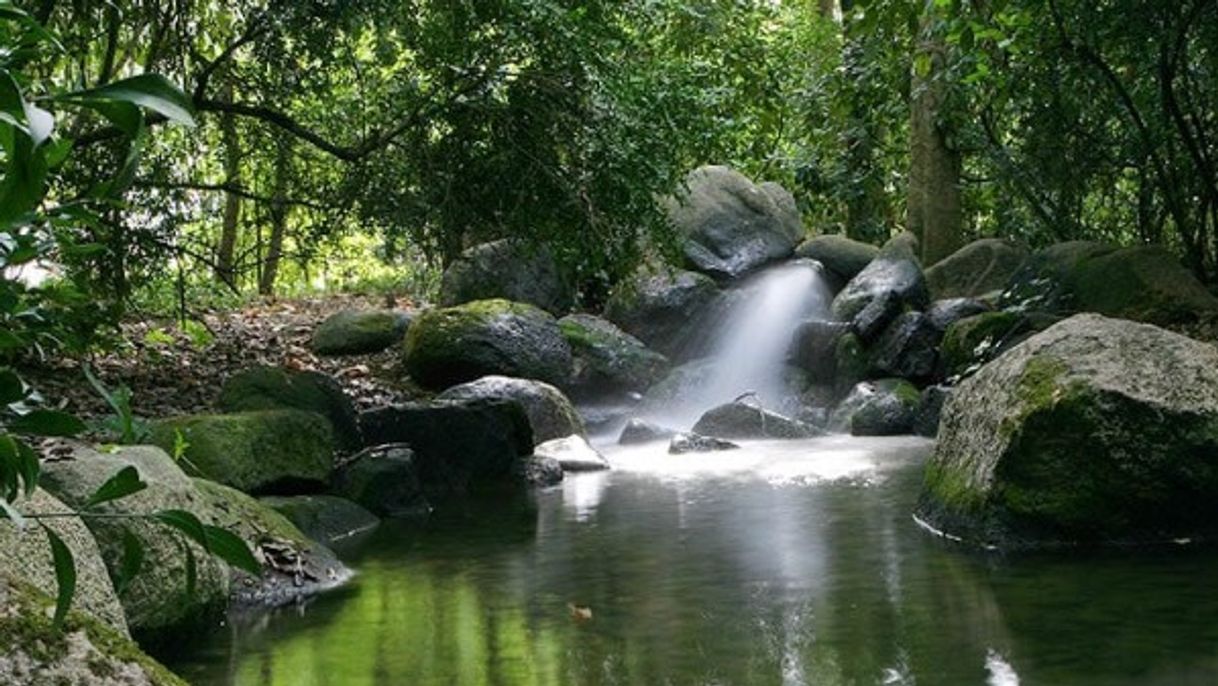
x=550, y=413
x=326, y=519
x=510, y=269
x=895, y=270
x=276, y=388
x=639, y=431
x=694, y=443
x=730, y=226
x=930, y=411
x=607, y=360
x=663, y=309
x=445, y=347
x=383, y=479
x=540, y=472
x=886, y=407
x=1094, y=430
x=842, y=257
x=573, y=454
x=359, y=332
x=981, y=268
x=742, y=420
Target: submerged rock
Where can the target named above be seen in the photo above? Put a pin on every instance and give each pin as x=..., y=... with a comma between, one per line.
x=1094, y=430
x=449, y=346
x=383, y=479
x=642, y=431
x=742, y=420
x=981, y=268
x=326, y=519
x=573, y=453
x=510, y=269
x=895, y=270
x=694, y=443
x=359, y=332
x=550, y=413
x=663, y=309
x=842, y=257
x=276, y=388
x=886, y=407
x=607, y=360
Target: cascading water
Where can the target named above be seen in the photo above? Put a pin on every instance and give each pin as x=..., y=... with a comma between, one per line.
x=750, y=343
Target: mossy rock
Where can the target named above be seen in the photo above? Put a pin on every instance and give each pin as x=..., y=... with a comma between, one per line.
x=383, y=479
x=276, y=388
x=885, y=407
x=326, y=519
x=973, y=341
x=448, y=346
x=269, y=451
x=850, y=362
x=359, y=332
x=1096, y=430
x=510, y=269
x=981, y=268
x=607, y=360
x=843, y=257
x=550, y=412
x=86, y=652
x=664, y=309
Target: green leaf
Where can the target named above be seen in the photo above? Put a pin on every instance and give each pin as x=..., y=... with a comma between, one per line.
x=133, y=560
x=9, y=468
x=229, y=547
x=29, y=466
x=48, y=423
x=151, y=91
x=65, y=576
x=192, y=570
x=186, y=523
x=12, y=388
x=121, y=485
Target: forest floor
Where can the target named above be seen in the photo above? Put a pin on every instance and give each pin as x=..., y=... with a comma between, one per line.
x=171, y=373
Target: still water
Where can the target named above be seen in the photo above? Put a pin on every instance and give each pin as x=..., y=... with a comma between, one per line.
x=793, y=563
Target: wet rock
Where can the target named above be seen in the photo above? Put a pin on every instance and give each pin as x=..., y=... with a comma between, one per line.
x=743, y=420
x=573, y=454
x=383, y=480
x=944, y=313
x=878, y=408
x=926, y=419
x=981, y=268
x=326, y=519
x=908, y=349
x=359, y=332
x=842, y=257
x=851, y=363
x=665, y=310
x=694, y=443
x=871, y=321
x=606, y=360
x=540, y=472
x=813, y=349
x=449, y=346
x=896, y=270
x=1095, y=430
x=508, y=269
x=730, y=226
x=639, y=431
x=973, y=341
x=276, y=388
x=550, y=413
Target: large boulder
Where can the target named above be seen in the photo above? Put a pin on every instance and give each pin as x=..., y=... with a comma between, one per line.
x=573, y=454
x=445, y=347
x=894, y=271
x=276, y=388
x=886, y=407
x=461, y=447
x=1095, y=430
x=383, y=479
x=269, y=451
x=909, y=348
x=84, y=652
x=730, y=226
x=743, y=420
x=981, y=268
x=607, y=360
x=842, y=257
x=327, y=519
x=359, y=332
x=813, y=346
x=550, y=413
x=27, y=556
x=510, y=269
x=973, y=341
x=663, y=309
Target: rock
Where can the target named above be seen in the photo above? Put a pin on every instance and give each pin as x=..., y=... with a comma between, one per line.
x=1095, y=430
x=926, y=419
x=1041, y=282
x=944, y=313
x=508, y=269
x=688, y=380
x=639, y=431
x=742, y=420
x=550, y=413
x=540, y=472
x=445, y=347
x=359, y=332
x=895, y=270
x=842, y=257
x=878, y=408
x=607, y=360
x=973, y=341
x=461, y=447
x=730, y=226
x=293, y=567
x=851, y=364
x=663, y=309
x=264, y=452
x=693, y=443
x=909, y=348
x=27, y=556
x=573, y=454
x=326, y=519
x=275, y=388
x=813, y=347
x=156, y=602
x=85, y=652
x=383, y=479
x=981, y=268
x=871, y=321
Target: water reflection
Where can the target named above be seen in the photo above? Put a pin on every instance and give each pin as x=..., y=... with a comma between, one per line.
x=811, y=573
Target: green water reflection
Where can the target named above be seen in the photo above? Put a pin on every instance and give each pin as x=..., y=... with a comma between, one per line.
x=727, y=580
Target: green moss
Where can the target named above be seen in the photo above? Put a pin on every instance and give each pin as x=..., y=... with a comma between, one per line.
x=850, y=361
x=973, y=340
x=951, y=490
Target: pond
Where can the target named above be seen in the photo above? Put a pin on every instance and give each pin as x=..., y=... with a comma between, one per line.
x=781, y=563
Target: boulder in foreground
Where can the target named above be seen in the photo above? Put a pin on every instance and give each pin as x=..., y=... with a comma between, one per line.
x=551, y=413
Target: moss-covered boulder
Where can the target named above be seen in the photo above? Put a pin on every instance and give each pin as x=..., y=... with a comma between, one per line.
x=271, y=451
x=1094, y=430
x=607, y=360
x=86, y=652
x=327, y=519
x=663, y=309
x=383, y=479
x=550, y=412
x=895, y=271
x=886, y=407
x=973, y=341
x=842, y=257
x=27, y=556
x=510, y=269
x=359, y=332
x=981, y=268
x=276, y=388
x=453, y=345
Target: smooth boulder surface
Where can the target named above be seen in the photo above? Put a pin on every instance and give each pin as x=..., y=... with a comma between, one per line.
x=663, y=309
x=607, y=360
x=908, y=349
x=359, y=332
x=461, y=447
x=639, y=431
x=276, y=388
x=550, y=412
x=1095, y=430
x=729, y=225
x=509, y=269
x=383, y=479
x=894, y=271
x=448, y=346
x=684, y=443
x=744, y=420
x=886, y=407
x=813, y=347
x=326, y=519
x=843, y=257
x=265, y=452
x=573, y=454
x=981, y=268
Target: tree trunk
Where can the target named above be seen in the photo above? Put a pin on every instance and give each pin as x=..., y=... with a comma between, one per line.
x=225, y=272
x=934, y=211
x=279, y=217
